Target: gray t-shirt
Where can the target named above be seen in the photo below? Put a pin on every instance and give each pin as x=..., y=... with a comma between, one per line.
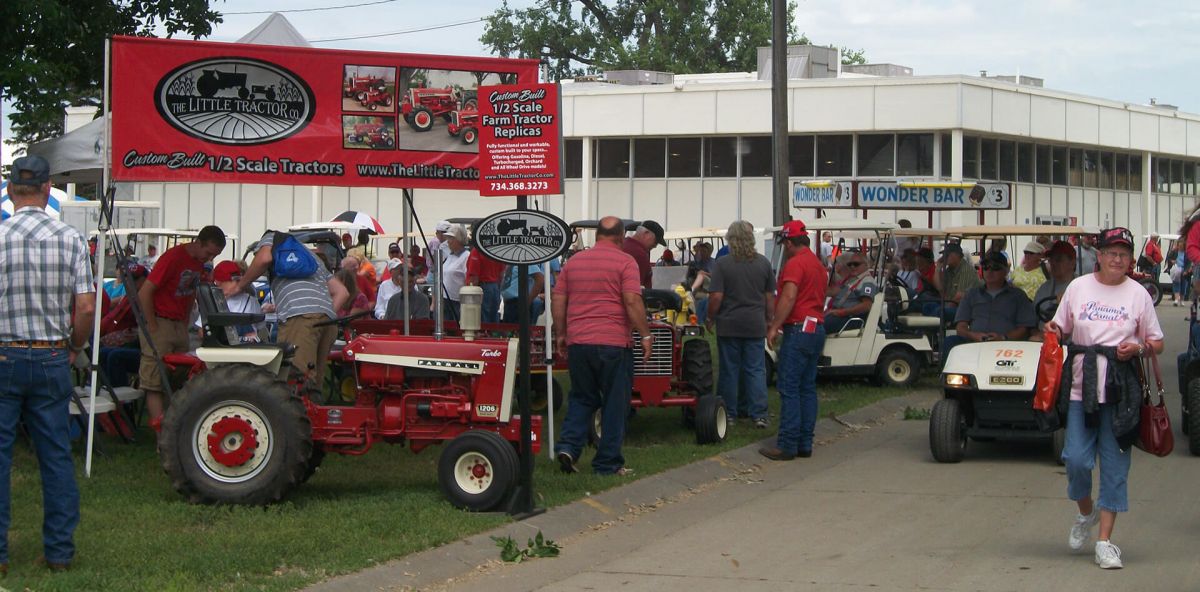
x=295, y=297
x=418, y=306
x=853, y=291
x=743, y=284
x=999, y=313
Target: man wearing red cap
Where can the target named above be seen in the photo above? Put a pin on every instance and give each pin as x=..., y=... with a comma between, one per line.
x=799, y=319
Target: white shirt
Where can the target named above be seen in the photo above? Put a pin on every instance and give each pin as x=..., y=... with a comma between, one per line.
x=454, y=272
x=387, y=289
x=826, y=251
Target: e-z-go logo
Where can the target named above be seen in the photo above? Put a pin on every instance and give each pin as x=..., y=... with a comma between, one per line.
x=237, y=101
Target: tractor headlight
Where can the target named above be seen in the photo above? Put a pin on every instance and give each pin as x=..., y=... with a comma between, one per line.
x=958, y=381
x=693, y=331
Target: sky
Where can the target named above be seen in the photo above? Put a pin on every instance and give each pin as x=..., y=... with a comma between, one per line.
x=1113, y=49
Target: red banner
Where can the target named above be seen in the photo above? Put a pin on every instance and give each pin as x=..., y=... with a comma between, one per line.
x=520, y=133
x=191, y=111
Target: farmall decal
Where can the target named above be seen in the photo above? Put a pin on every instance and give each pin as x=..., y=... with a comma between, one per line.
x=449, y=364
x=234, y=101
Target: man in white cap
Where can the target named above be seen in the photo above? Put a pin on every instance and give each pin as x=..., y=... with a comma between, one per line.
x=435, y=244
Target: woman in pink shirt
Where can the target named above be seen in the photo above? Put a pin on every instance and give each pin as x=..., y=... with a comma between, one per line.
x=1108, y=319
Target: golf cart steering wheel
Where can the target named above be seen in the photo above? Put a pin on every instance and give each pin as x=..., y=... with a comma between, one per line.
x=1045, y=308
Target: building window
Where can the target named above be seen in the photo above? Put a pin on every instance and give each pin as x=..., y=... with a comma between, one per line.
x=683, y=157
x=1008, y=160
x=1045, y=164
x=1122, y=170
x=987, y=158
x=835, y=156
x=914, y=155
x=1177, y=176
x=1161, y=174
x=1075, y=162
x=1189, y=178
x=612, y=159
x=1135, y=173
x=1025, y=162
x=1058, y=164
x=800, y=156
x=1090, y=169
x=649, y=157
x=1106, y=170
x=970, y=157
x=573, y=158
x=756, y=154
x=945, y=156
x=876, y=155
x=720, y=157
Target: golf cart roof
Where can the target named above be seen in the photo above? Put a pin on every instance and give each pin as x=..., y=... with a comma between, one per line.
x=921, y=232
x=124, y=232
x=331, y=226
x=1169, y=237
x=832, y=225
x=695, y=233
x=1021, y=230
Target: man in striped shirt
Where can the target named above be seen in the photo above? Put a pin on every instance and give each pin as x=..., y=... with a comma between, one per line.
x=300, y=304
x=597, y=300
x=45, y=272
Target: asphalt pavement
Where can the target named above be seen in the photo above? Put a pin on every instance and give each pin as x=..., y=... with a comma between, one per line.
x=870, y=510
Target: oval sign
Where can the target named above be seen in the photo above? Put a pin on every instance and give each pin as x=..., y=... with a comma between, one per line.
x=238, y=101
x=522, y=237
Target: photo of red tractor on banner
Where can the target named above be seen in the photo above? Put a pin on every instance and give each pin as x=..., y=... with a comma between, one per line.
x=242, y=429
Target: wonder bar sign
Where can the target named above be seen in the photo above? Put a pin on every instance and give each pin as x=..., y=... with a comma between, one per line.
x=934, y=196
x=831, y=194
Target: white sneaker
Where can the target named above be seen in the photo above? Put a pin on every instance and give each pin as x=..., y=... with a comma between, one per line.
x=1108, y=555
x=1081, y=531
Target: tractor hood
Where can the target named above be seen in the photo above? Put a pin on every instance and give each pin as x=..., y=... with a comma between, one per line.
x=993, y=366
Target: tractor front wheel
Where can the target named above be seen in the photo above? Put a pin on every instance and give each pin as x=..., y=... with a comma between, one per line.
x=422, y=119
x=476, y=470
x=469, y=135
x=236, y=435
x=711, y=420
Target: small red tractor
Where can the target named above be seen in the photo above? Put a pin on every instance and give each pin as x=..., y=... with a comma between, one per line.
x=464, y=124
x=376, y=98
x=237, y=433
x=358, y=86
x=371, y=134
x=421, y=105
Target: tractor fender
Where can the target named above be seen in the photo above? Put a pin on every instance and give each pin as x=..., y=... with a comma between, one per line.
x=268, y=358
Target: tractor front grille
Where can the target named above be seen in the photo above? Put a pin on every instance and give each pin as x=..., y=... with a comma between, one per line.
x=660, y=355
x=454, y=118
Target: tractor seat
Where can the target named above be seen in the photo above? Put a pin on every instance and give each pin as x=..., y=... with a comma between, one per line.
x=658, y=300
x=918, y=321
x=219, y=323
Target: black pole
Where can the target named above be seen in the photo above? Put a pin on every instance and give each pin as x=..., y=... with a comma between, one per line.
x=779, y=111
x=522, y=502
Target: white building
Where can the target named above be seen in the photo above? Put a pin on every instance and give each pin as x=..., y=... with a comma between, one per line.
x=695, y=152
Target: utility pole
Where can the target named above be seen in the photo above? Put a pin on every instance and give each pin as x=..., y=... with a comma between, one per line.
x=779, y=110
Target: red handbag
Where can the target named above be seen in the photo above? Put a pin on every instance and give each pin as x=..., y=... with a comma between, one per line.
x=1049, y=376
x=1154, y=433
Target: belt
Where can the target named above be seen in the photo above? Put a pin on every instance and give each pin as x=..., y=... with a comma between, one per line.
x=37, y=344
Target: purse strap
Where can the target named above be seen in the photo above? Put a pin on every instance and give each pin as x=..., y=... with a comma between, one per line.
x=1157, y=372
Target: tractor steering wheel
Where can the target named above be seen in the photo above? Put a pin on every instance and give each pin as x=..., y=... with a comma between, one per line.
x=343, y=321
x=1045, y=308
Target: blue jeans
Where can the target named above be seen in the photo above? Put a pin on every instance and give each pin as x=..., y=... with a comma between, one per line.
x=797, y=382
x=118, y=363
x=491, y=302
x=1079, y=454
x=701, y=310
x=600, y=379
x=512, y=308
x=743, y=371
x=933, y=309
x=35, y=386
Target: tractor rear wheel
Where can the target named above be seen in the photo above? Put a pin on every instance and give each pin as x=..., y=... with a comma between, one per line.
x=314, y=462
x=711, y=420
x=422, y=119
x=539, y=402
x=1193, y=416
x=947, y=436
x=476, y=471
x=697, y=366
x=236, y=435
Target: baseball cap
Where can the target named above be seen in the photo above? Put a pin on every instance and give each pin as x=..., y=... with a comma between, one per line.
x=793, y=229
x=442, y=226
x=1115, y=236
x=993, y=258
x=226, y=271
x=1061, y=247
x=394, y=263
x=926, y=253
x=657, y=229
x=393, y=247
x=952, y=248
x=35, y=168
x=1035, y=247
x=137, y=271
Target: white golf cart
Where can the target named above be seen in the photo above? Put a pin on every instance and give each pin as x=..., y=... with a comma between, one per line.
x=886, y=346
x=989, y=385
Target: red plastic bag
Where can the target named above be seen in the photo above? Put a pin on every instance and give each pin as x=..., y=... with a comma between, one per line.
x=1049, y=376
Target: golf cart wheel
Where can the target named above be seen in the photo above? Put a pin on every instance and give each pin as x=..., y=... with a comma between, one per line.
x=1155, y=291
x=697, y=366
x=476, y=471
x=235, y=435
x=711, y=420
x=897, y=367
x=422, y=119
x=947, y=436
x=1058, y=441
x=1193, y=417
x=539, y=402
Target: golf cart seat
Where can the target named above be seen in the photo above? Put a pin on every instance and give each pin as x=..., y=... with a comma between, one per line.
x=659, y=300
x=853, y=328
x=917, y=321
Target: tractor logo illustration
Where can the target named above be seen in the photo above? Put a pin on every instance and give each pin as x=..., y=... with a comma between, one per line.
x=522, y=237
x=237, y=101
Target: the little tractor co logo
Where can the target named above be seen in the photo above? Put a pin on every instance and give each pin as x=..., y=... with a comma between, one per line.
x=236, y=101
x=522, y=237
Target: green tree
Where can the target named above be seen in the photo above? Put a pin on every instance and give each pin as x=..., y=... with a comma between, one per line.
x=681, y=36
x=54, y=51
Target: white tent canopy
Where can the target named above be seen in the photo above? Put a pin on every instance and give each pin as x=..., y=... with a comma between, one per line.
x=276, y=30
x=75, y=157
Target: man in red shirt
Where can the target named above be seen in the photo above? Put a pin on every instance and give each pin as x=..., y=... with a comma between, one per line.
x=799, y=319
x=638, y=245
x=167, y=299
x=485, y=272
x=596, y=301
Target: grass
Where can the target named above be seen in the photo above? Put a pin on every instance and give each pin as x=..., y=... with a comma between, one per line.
x=138, y=534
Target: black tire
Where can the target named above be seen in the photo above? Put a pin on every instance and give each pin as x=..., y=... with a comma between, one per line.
x=421, y=119
x=446, y=117
x=1156, y=293
x=1058, y=441
x=1193, y=417
x=476, y=470
x=697, y=366
x=231, y=407
x=594, y=430
x=711, y=420
x=408, y=118
x=469, y=135
x=898, y=366
x=360, y=96
x=453, y=132
x=947, y=438
x=373, y=106
x=243, y=93
x=314, y=462
x=539, y=401
x=687, y=417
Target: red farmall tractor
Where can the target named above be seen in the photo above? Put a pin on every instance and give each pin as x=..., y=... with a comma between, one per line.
x=237, y=433
x=358, y=87
x=376, y=98
x=371, y=134
x=464, y=125
x=421, y=105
